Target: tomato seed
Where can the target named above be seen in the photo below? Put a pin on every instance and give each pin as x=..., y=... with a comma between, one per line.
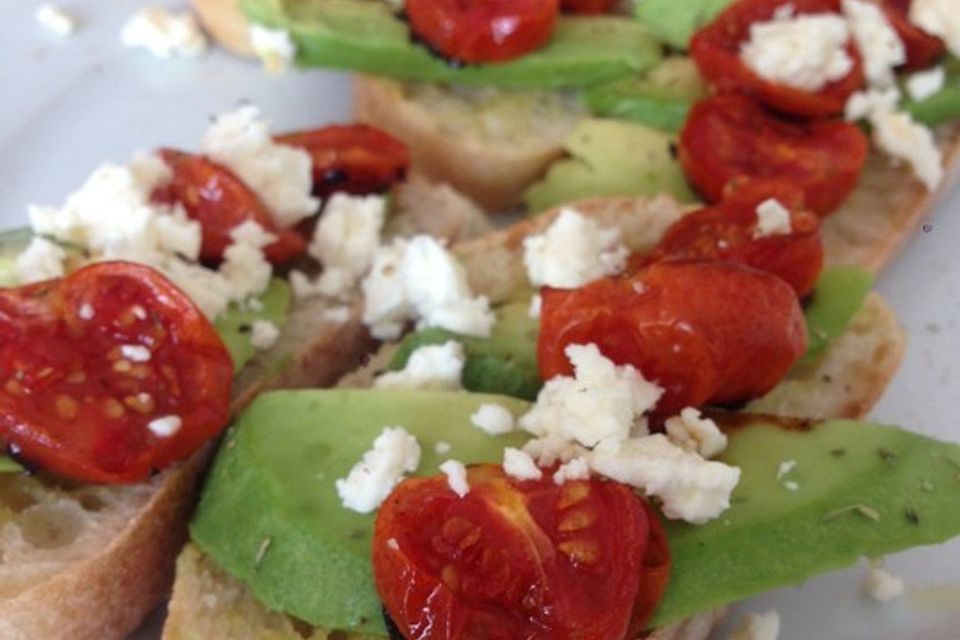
x=572, y=493
x=13, y=387
x=141, y=403
x=66, y=407
x=76, y=377
x=450, y=577
x=577, y=520
x=580, y=551
x=122, y=366
x=113, y=408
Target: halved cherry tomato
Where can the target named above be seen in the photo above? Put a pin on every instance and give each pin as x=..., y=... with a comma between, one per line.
x=354, y=158
x=726, y=231
x=476, y=31
x=732, y=136
x=716, y=50
x=654, y=575
x=220, y=201
x=587, y=6
x=516, y=559
x=923, y=49
x=90, y=361
x=706, y=331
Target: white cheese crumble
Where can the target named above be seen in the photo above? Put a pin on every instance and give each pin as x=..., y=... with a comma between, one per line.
x=166, y=426
x=863, y=104
x=55, y=20
x=536, y=303
x=418, y=279
x=879, y=44
x=773, y=219
x=274, y=47
x=923, y=84
x=86, y=311
x=135, y=352
x=394, y=453
x=900, y=136
x=573, y=251
x=442, y=447
x=758, y=626
x=785, y=468
x=882, y=586
x=435, y=366
x=939, y=18
x=791, y=485
x=575, y=469
x=518, y=464
x=280, y=175
x=456, y=477
x=41, y=260
x=264, y=334
x=492, y=418
x=693, y=432
x=805, y=52
x=164, y=33
x=336, y=315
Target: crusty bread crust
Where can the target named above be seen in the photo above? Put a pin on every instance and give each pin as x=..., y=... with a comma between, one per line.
x=224, y=22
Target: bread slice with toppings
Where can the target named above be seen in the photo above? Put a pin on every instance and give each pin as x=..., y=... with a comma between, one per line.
x=84, y=562
x=844, y=381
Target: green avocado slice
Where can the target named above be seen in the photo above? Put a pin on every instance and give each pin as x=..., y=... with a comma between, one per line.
x=675, y=21
x=943, y=106
x=839, y=294
x=359, y=35
x=270, y=514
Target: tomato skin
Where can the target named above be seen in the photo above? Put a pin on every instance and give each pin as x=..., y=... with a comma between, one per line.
x=477, y=31
x=355, y=158
x=514, y=559
x=69, y=408
x=587, y=7
x=220, y=201
x=706, y=331
x=923, y=49
x=716, y=50
x=731, y=136
x=725, y=232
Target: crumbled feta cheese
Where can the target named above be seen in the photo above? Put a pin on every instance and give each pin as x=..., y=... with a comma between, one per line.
x=939, y=18
x=879, y=44
x=164, y=33
x=573, y=251
x=41, y=260
x=337, y=315
x=493, y=418
x=791, y=485
x=280, y=175
x=394, y=453
x=552, y=449
x=442, y=447
x=773, y=219
x=264, y=334
x=758, y=626
x=863, y=104
x=135, y=352
x=419, y=279
x=166, y=426
x=55, y=20
x=899, y=135
x=518, y=464
x=693, y=432
x=274, y=47
x=536, y=303
x=456, y=477
x=435, y=366
x=86, y=311
x=806, y=52
x=575, y=469
x=785, y=468
x=393, y=544
x=601, y=401
x=923, y=84
x=882, y=586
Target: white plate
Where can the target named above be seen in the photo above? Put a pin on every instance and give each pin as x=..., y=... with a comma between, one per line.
x=69, y=104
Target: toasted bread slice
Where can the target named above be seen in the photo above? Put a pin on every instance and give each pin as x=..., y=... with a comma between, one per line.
x=844, y=381
x=87, y=562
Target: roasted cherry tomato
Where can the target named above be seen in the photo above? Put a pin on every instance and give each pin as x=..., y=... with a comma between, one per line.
x=727, y=231
x=355, y=158
x=587, y=6
x=732, y=136
x=516, y=559
x=706, y=331
x=476, y=31
x=716, y=50
x=109, y=374
x=923, y=49
x=220, y=201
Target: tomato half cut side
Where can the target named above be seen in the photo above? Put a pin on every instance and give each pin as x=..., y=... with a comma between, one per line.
x=654, y=574
x=512, y=559
x=109, y=374
x=726, y=231
x=705, y=331
x=356, y=158
x=220, y=201
x=716, y=50
x=923, y=49
x=727, y=137
x=587, y=7
x=478, y=31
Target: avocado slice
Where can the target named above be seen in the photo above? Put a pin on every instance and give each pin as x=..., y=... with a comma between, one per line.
x=611, y=158
x=943, y=106
x=12, y=243
x=675, y=21
x=235, y=325
x=360, y=35
x=839, y=294
x=270, y=514
x=660, y=100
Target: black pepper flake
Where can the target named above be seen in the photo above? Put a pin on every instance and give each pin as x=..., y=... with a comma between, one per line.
x=838, y=452
x=911, y=515
x=674, y=151
x=245, y=328
x=889, y=457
